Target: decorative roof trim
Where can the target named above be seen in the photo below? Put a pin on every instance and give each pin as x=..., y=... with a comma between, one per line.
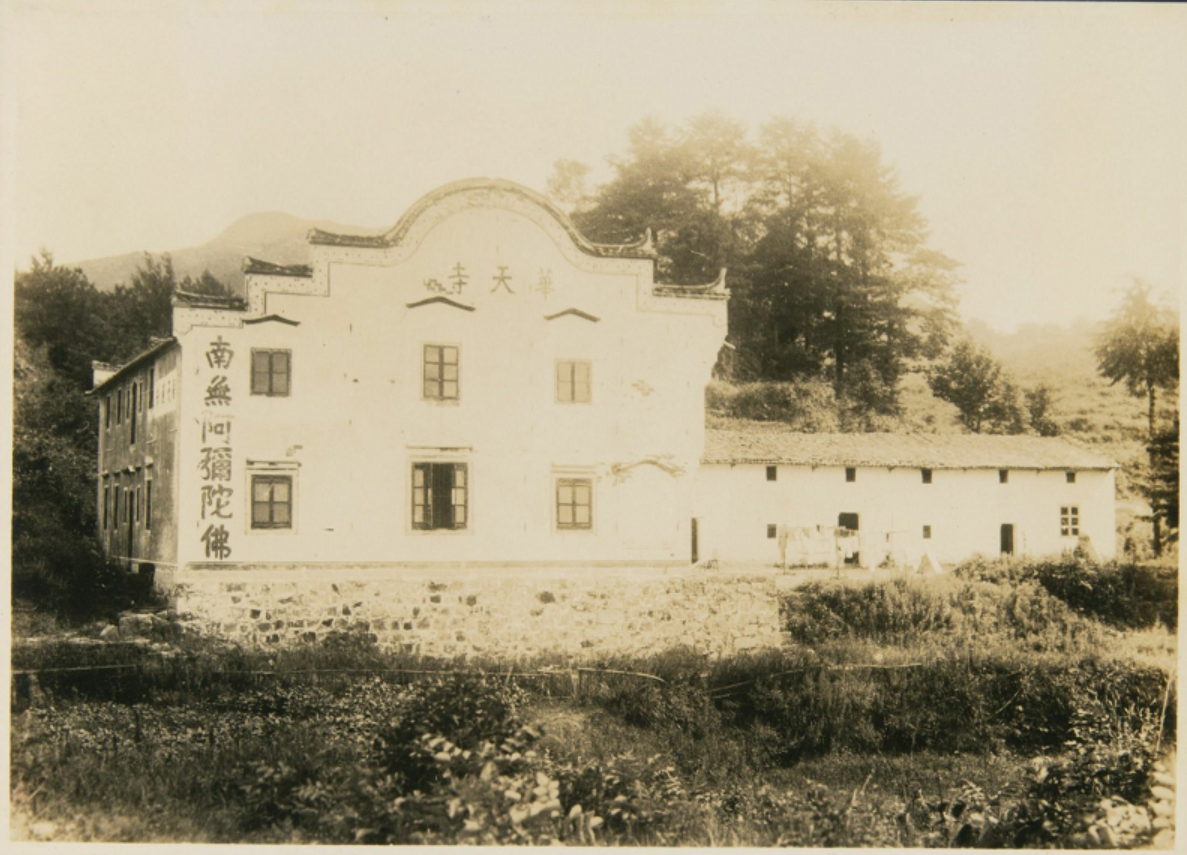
x=643, y=248
x=208, y=301
x=266, y=318
x=159, y=346
x=444, y=300
x=715, y=290
x=267, y=268
x=575, y=312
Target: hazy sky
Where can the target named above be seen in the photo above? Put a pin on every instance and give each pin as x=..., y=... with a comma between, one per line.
x=1046, y=142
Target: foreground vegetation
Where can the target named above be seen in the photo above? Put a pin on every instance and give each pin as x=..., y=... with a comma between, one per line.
x=975, y=709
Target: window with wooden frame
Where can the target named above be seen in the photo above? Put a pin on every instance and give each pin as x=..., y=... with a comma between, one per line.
x=132, y=414
x=271, y=501
x=440, y=372
x=926, y=473
x=1003, y=476
x=927, y=532
x=772, y=531
x=772, y=473
x=148, y=504
x=572, y=382
x=115, y=501
x=440, y=496
x=107, y=413
x=119, y=407
x=850, y=474
x=152, y=386
x=106, y=503
x=1069, y=521
x=1071, y=477
x=271, y=371
x=574, y=504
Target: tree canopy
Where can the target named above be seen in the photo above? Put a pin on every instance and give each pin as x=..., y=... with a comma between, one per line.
x=831, y=274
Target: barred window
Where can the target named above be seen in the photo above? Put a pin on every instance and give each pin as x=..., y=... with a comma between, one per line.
x=573, y=382
x=574, y=503
x=271, y=501
x=1069, y=520
x=270, y=372
x=441, y=372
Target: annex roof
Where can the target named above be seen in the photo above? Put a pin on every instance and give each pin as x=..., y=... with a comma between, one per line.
x=158, y=346
x=929, y=451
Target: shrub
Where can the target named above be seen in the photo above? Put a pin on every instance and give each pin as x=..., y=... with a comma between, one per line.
x=465, y=710
x=808, y=405
x=1123, y=595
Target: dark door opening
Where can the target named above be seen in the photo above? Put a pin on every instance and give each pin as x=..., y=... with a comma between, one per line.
x=695, y=554
x=1007, y=538
x=851, y=522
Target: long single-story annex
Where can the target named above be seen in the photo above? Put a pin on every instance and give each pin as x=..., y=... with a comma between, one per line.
x=481, y=431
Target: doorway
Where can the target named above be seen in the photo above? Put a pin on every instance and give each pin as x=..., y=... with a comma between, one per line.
x=852, y=523
x=1007, y=538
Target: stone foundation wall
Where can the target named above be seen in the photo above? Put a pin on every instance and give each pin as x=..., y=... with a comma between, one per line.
x=583, y=614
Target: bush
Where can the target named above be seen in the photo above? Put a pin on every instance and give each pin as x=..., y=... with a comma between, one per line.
x=807, y=405
x=463, y=709
x=1123, y=595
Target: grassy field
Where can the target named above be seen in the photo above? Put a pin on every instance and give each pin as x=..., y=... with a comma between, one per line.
x=996, y=706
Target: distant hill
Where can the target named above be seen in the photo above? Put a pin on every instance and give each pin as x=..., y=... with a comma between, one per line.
x=271, y=236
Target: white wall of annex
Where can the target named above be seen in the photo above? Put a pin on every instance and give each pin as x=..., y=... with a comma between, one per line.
x=964, y=508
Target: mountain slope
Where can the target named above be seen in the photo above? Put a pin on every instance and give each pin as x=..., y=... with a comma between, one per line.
x=272, y=236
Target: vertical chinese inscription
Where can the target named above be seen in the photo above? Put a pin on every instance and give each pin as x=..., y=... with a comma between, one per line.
x=215, y=456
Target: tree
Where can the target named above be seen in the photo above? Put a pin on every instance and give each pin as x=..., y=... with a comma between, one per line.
x=829, y=270
x=567, y=185
x=1139, y=346
x=974, y=382
x=1039, y=402
x=58, y=309
x=1163, y=486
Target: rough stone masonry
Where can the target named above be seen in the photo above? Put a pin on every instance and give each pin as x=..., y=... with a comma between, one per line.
x=579, y=613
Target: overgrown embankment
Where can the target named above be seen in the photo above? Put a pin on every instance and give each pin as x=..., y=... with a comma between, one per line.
x=975, y=709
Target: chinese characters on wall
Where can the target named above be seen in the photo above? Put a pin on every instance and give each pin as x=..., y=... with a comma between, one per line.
x=214, y=455
x=459, y=277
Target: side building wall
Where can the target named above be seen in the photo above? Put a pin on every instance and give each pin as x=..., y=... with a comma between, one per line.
x=138, y=452
x=964, y=509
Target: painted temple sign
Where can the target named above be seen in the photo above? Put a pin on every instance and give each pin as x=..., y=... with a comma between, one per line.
x=215, y=454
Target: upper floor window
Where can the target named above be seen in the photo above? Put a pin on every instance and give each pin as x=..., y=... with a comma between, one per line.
x=152, y=386
x=119, y=407
x=772, y=473
x=926, y=475
x=1069, y=520
x=1003, y=476
x=132, y=413
x=850, y=474
x=572, y=382
x=1071, y=477
x=107, y=412
x=574, y=503
x=270, y=370
x=271, y=501
x=441, y=372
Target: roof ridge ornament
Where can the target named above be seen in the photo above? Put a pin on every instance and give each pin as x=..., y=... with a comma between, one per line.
x=642, y=249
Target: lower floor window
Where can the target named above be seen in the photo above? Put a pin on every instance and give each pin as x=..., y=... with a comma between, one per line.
x=271, y=501
x=574, y=503
x=439, y=496
x=1069, y=520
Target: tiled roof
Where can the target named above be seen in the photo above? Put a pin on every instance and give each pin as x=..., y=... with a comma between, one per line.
x=932, y=451
x=207, y=301
x=159, y=345
x=267, y=268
